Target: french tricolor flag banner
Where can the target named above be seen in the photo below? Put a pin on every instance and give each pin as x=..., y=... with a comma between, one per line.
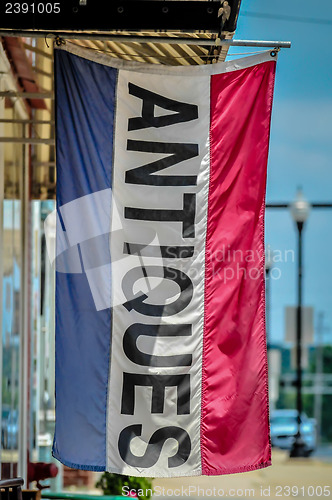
x=161, y=366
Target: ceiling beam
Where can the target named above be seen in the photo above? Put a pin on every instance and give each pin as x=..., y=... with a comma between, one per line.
x=27, y=140
x=174, y=40
x=27, y=122
x=27, y=95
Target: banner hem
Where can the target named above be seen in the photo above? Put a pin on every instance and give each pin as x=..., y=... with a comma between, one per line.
x=237, y=470
x=207, y=279
x=72, y=465
x=263, y=268
x=207, y=472
x=125, y=472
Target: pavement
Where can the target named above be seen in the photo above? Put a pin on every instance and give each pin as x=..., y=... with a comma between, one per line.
x=305, y=478
x=324, y=453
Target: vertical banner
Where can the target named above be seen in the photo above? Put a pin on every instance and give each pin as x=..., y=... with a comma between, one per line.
x=161, y=365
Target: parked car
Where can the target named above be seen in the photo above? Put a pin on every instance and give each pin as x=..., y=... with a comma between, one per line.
x=4, y=417
x=284, y=426
x=9, y=430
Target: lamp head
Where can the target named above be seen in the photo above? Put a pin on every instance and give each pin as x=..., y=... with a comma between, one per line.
x=300, y=208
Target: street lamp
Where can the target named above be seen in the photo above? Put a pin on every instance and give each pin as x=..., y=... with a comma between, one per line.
x=268, y=267
x=300, y=209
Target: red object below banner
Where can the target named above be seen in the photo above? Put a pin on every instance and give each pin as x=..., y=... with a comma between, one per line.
x=41, y=470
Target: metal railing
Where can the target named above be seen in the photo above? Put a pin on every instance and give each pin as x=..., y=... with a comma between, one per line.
x=77, y=496
x=11, y=489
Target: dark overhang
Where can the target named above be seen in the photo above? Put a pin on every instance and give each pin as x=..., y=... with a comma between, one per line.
x=107, y=15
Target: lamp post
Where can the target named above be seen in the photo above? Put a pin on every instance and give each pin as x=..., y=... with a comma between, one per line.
x=300, y=209
x=268, y=267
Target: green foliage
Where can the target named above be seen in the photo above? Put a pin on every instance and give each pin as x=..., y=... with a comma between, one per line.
x=308, y=404
x=113, y=484
x=286, y=400
x=326, y=418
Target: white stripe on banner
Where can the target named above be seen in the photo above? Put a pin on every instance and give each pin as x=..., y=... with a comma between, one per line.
x=156, y=353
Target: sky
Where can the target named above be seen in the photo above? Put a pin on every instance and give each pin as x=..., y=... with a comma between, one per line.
x=300, y=150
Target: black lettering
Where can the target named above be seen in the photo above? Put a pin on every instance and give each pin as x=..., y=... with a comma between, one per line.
x=182, y=112
x=158, y=384
x=177, y=152
x=185, y=215
x=136, y=301
x=154, y=446
x=141, y=358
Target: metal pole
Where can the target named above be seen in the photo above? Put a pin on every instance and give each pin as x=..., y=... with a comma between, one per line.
x=24, y=369
x=143, y=39
x=2, y=161
x=257, y=43
x=299, y=328
x=287, y=205
x=299, y=448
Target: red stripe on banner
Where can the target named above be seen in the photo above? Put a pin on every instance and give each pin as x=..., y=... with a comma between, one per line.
x=235, y=418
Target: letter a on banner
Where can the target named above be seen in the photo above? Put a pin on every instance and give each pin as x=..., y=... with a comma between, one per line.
x=161, y=365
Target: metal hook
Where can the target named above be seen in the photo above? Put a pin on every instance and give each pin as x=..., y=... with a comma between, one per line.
x=274, y=52
x=59, y=41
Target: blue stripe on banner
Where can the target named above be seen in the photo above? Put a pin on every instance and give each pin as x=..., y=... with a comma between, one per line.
x=85, y=93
